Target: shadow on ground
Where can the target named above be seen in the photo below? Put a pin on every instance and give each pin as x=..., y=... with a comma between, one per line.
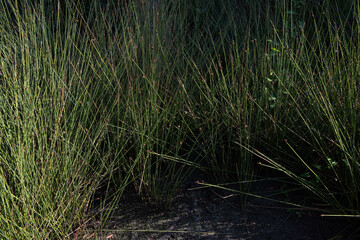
x=210, y=214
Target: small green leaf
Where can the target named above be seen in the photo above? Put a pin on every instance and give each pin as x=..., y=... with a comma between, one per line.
x=317, y=166
x=272, y=98
x=331, y=162
x=305, y=175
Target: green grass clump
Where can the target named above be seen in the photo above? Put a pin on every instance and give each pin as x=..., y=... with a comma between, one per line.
x=320, y=130
x=97, y=97
x=52, y=122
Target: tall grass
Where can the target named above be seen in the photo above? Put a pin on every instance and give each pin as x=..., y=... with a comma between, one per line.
x=320, y=87
x=53, y=121
x=102, y=96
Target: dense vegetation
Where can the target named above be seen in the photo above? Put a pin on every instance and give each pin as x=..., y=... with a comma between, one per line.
x=97, y=97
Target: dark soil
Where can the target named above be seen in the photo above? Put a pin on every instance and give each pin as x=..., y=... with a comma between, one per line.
x=212, y=214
